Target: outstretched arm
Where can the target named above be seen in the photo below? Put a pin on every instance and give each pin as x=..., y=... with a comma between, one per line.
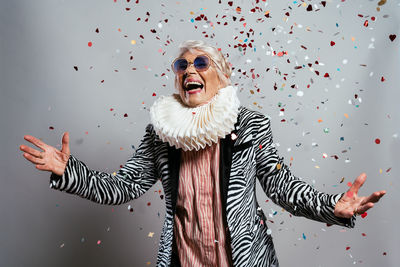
x=287, y=190
x=131, y=181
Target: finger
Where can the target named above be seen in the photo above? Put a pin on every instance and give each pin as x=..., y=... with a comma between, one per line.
x=35, y=141
x=363, y=208
x=358, y=182
x=30, y=150
x=374, y=197
x=33, y=159
x=65, y=143
x=42, y=167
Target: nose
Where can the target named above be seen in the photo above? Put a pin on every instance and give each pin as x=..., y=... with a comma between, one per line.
x=190, y=68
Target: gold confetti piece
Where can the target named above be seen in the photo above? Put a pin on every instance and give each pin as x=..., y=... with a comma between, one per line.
x=352, y=38
x=380, y=170
x=148, y=263
x=346, y=115
x=278, y=166
x=317, y=167
x=133, y=42
x=150, y=234
x=114, y=173
x=320, y=120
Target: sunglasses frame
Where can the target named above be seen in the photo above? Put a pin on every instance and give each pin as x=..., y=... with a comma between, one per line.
x=192, y=63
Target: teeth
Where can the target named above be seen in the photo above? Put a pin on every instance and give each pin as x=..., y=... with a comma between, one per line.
x=196, y=83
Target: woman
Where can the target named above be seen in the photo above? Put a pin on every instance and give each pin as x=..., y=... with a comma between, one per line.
x=207, y=150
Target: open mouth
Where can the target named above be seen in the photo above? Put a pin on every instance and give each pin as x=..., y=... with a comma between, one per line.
x=193, y=86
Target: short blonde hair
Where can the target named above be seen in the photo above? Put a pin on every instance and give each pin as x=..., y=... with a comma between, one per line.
x=223, y=68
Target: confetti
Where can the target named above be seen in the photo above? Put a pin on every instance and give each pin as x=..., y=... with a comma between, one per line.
x=364, y=215
x=150, y=234
x=392, y=37
x=98, y=242
x=377, y=141
x=90, y=44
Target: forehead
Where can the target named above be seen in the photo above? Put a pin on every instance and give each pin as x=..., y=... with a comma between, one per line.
x=193, y=53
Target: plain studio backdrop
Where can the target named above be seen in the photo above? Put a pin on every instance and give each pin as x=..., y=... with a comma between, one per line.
x=327, y=74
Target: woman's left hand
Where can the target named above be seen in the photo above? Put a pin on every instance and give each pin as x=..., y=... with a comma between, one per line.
x=351, y=203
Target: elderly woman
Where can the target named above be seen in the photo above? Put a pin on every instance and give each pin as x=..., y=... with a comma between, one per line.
x=208, y=151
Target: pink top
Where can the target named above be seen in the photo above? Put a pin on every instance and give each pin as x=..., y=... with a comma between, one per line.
x=198, y=225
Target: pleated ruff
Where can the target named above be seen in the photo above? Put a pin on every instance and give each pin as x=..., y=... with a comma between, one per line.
x=194, y=128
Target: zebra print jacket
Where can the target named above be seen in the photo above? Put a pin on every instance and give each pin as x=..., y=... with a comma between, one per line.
x=250, y=154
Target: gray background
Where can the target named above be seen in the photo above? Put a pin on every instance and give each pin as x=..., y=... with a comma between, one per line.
x=42, y=41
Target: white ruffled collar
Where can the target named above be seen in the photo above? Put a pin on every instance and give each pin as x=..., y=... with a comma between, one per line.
x=194, y=128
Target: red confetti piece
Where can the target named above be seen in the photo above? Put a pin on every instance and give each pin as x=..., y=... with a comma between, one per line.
x=347, y=248
x=388, y=170
x=154, y=94
x=148, y=203
x=332, y=43
x=126, y=115
x=323, y=3
x=260, y=146
x=364, y=215
x=392, y=37
x=363, y=234
x=382, y=79
x=309, y=8
x=326, y=75
x=377, y=141
x=98, y=242
x=373, y=18
x=238, y=9
x=97, y=30
x=76, y=68
x=366, y=23
x=90, y=44
x=51, y=128
x=111, y=109
x=384, y=253
x=230, y=3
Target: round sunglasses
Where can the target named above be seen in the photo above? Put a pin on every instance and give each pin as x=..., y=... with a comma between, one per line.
x=201, y=63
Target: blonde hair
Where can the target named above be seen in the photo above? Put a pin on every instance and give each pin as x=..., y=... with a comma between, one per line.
x=223, y=68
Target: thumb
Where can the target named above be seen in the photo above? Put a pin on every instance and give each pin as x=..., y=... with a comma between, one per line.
x=358, y=183
x=65, y=143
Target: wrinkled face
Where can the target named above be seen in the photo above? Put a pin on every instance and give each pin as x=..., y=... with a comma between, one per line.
x=198, y=88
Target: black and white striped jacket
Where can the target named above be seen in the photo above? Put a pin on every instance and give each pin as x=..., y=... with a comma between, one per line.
x=243, y=159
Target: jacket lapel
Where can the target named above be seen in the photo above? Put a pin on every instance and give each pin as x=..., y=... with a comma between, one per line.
x=174, y=160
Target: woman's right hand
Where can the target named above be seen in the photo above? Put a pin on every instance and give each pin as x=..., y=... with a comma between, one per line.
x=50, y=159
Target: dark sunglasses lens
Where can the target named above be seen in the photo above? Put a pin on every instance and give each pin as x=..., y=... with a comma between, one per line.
x=180, y=65
x=201, y=63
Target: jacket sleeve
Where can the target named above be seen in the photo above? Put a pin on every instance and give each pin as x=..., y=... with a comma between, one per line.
x=131, y=181
x=288, y=191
